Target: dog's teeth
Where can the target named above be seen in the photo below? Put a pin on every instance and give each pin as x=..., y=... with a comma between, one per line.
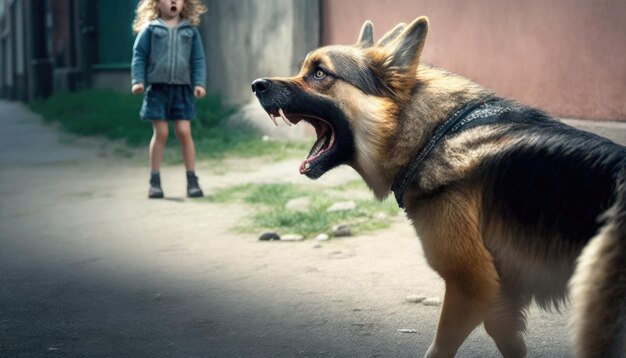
x=274, y=119
x=282, y=114
x=307, y=165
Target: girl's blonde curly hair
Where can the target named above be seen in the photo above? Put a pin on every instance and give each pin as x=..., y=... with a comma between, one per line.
x=147, y=11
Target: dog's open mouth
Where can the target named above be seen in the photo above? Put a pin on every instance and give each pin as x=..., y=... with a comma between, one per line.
x=323, y=129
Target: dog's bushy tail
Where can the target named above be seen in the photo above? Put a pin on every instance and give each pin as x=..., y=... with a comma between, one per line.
x=598, y=287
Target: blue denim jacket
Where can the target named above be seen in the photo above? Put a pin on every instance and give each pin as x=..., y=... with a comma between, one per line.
x=172, y=56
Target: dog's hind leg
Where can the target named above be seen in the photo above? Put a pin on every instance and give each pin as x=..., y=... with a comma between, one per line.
x=506, y=324
x=598, y=288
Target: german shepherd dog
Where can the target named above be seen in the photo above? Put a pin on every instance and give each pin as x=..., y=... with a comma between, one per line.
x=510, y=204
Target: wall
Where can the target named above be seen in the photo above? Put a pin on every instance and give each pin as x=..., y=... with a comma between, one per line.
x=7, y=54
x=114, y=31
x=61, y=41
x=247, y=39
x=111, y=79
x=566, y=56
x=20, y=60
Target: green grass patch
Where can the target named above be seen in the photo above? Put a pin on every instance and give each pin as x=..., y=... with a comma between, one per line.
x=269, y=200
x=115, y=116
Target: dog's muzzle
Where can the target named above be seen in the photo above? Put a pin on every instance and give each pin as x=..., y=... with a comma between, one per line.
x=272, y=94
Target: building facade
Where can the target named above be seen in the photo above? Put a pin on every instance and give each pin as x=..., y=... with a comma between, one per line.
x=566, y=56
x=61, y=45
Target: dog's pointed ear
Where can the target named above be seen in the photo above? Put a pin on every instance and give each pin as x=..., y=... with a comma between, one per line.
x=391, y=35
x=366, y=36
x=406, y=48
x=396, y=60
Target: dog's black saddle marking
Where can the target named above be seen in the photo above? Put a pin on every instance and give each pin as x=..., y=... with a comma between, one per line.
x=473, y=114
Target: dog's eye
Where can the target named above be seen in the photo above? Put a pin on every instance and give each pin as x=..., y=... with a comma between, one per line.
x=319, y=74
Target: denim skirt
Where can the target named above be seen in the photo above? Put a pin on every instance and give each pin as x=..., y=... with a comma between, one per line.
x=167, y=102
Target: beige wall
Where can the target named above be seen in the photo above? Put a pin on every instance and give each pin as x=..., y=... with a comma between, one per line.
x=565, y=56
x=248, y=39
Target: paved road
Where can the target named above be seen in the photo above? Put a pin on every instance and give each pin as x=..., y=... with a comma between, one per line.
x=90, y=268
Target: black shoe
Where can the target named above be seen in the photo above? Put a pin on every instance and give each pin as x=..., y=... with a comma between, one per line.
x=193, y=189
x=155, y=191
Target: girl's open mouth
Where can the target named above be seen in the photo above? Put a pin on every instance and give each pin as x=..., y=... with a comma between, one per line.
x=173, y=8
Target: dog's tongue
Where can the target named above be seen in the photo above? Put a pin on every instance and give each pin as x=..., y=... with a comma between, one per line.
x=321, y=145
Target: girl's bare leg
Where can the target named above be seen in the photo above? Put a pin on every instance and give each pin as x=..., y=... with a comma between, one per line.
x=182, y=128
x=157, y=144
x=187, y=148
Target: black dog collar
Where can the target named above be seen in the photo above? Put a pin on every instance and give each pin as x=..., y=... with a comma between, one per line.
x=459, y=120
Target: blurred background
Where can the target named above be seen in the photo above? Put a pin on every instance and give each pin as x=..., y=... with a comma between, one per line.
x=565, y=56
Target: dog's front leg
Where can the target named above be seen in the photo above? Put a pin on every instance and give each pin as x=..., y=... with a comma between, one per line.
x=464, y=308
x=448, y=226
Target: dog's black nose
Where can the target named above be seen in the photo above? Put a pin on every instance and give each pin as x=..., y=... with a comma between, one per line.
x=261, y=85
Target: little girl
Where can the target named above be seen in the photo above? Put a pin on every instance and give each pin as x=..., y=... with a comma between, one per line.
x=168, y=62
